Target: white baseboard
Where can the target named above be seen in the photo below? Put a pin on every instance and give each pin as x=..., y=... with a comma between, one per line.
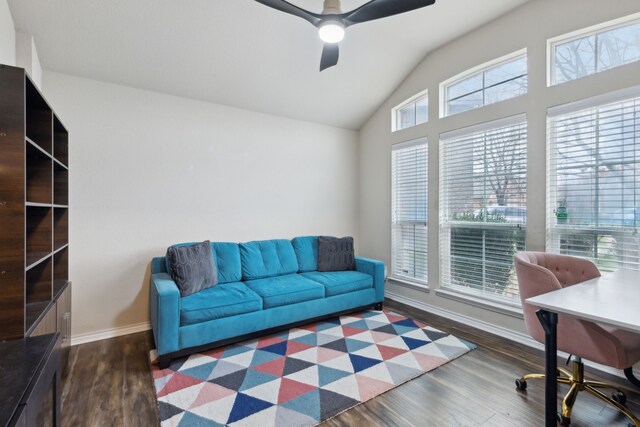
x=491, y=328
x=470, y=321
x=109, y=333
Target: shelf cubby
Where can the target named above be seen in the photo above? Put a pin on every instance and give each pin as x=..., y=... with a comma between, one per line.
x=39, y=120
x=60, y=270
x=60, y=227
x=38, y=233
x=60, y=142
x=38, y=293
x=60, y=185
x=38, y=182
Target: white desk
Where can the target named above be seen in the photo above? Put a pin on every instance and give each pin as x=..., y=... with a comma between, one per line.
x=612, y=299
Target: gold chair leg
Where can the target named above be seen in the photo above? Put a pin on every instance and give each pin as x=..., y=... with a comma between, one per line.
x=570, y=399
x=565, y=372
x=532, y=377
x=598, y=384
x=613, y=403
x=577, y=382
x=563, y=380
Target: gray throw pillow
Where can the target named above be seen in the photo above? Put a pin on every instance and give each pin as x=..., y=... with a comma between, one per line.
x=193, y=268
x=335, y=254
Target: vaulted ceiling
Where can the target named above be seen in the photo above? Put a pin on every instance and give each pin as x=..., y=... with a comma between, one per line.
x=243, y=54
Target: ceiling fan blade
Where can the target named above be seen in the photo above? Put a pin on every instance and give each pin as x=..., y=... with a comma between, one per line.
x=376, y=9
x=285, y=6
x=330, y=54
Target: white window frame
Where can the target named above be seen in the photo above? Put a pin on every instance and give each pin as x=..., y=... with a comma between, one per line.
x=444, y=222
x=444, y=101
x=414, y=99
x=395, y=277
x=581, y=33
x=552, y=229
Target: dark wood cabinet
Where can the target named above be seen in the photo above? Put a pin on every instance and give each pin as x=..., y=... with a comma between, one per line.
x=34, y=211
x=58, y=319
x=30, y=374
x=63, y=312
x=47, y=325
x=20, y=417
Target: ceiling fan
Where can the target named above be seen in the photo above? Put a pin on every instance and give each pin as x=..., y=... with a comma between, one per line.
x=331, y=23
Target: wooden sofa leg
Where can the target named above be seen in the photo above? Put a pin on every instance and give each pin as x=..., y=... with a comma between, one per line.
x=378, y=306
x=164, y=360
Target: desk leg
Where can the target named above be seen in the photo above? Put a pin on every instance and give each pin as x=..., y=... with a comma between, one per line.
x=549, y=323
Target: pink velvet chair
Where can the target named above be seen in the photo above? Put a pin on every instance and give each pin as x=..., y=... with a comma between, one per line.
x=539, y=273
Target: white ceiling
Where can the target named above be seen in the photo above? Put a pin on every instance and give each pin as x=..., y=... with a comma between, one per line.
x=243, y=54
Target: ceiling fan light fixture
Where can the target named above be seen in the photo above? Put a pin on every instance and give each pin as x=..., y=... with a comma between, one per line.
x=331, y=23
x=331, y=31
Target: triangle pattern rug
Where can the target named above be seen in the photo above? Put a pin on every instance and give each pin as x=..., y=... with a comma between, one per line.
x=302, y=376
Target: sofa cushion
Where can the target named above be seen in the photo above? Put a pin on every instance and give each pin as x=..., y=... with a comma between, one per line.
x=267, y=258
x=227, y=260
x=306, y=249
x=335, y=254
x=224, y=300
x=284, y=290
x=340, y=282
x=227, y=257
x=192, y=267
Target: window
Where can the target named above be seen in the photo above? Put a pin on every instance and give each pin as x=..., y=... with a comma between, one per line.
x=409, y=211
x=593, y=206
x=483, y=215
x=593, y=51
x=492, y=82
x=410, y=113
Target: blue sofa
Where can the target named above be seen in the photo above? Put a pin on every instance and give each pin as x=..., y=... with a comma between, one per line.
x=262, y=286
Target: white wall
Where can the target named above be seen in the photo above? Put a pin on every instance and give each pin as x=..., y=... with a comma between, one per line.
x=27, y=56
x=527, y=27
x=7, y=35
x=18, y=48
x=148, y=170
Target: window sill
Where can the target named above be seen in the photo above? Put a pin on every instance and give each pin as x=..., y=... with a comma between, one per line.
x=422, y=287
x=496, y=307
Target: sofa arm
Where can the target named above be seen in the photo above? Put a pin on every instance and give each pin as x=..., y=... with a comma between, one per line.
x=164, y=309
x=375, y=269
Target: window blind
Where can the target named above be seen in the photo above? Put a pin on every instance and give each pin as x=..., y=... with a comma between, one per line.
x=593, y=205
x=409, y=211
x=483, y=208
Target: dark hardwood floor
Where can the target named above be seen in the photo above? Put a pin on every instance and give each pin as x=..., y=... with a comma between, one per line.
x=109, y=384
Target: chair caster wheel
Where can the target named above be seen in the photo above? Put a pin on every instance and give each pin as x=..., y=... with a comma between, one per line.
x=620, y=397
x=563, y=421
x=521, y=384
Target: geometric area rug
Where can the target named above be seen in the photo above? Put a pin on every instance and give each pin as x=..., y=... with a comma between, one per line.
x=302, y=376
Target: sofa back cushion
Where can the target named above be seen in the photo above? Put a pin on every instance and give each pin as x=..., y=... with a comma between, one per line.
x=227, y=260
x=227, y=256
x=306, y=249
x=267, y=258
